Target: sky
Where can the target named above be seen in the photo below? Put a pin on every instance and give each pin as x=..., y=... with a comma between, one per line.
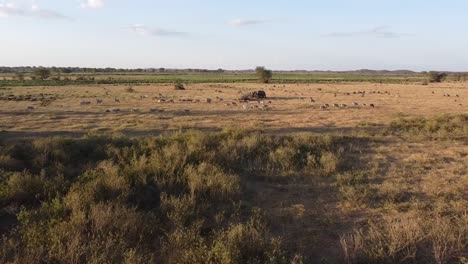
x=279, y=34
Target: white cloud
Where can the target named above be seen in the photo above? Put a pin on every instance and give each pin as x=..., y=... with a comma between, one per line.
x=94, y=4
x=245, y=22
x=10, y=9
x=380, y=32
x=144, y=30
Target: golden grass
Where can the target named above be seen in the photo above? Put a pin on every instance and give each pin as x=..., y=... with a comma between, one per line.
x=401, y=196
x=290, y=109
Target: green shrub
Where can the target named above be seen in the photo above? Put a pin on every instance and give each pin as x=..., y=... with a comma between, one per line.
x=263, y=74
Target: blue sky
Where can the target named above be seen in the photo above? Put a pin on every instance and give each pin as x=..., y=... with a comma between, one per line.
x=241, y=34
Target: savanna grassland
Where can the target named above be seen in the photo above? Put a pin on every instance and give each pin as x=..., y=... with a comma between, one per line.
x=139, y=172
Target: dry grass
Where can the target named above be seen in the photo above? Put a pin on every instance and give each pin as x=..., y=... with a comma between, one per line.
x=290, y=110
x=390, y=188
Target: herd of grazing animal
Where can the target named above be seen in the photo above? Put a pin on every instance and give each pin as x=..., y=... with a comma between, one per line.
x=326, y=106
x=255, y=104
x=448, y=95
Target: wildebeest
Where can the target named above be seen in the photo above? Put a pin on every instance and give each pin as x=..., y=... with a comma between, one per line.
x=254, y=96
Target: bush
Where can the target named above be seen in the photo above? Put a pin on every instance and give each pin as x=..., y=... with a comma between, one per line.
x=179, y=86
x=176, y=198
x=440, y=127
x=263, y=74
x=411, y=238
x=246, y=243
x=437, y=77
x=130, y=89
x=210, y=182
x=42, y=73
x=22, y=188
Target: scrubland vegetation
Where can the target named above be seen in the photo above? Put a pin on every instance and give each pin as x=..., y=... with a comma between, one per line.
x=439, y=127
x=178, y=198
x=41, y=79
x=192, y=197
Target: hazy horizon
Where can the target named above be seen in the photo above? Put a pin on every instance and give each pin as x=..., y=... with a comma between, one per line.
x=324, y=36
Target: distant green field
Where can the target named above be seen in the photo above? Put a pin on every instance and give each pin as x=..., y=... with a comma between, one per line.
x=144, y=78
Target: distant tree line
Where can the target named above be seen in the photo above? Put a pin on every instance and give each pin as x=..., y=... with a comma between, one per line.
x=68, y=70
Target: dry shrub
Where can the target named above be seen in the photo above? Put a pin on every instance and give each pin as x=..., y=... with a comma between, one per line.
x=449, y=238
x=353, y=188
x=441, y=127
x=180, y=210
x=11, y=164
x=408, y=238
x=329, y=162
x=208, y=181
x=176, y=198
x=130, y=89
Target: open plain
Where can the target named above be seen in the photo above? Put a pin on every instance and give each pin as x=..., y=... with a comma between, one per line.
x=355, y=172
x=153, y=109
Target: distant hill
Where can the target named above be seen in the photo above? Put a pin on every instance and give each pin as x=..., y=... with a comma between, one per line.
x=29, y=69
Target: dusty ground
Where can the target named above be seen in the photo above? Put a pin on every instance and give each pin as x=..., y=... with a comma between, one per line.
x=290, y=110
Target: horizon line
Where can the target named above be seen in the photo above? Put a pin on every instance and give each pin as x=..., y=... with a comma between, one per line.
x=231, y=70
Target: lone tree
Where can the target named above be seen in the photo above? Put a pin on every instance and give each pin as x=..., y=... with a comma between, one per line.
x=263, y=74
x=42, y=73
x=437, y=77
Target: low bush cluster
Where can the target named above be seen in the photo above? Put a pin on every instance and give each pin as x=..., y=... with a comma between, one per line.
x=414, y=237
x=439, y=127
x=176, y=198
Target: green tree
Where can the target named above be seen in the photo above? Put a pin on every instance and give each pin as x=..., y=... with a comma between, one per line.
x=42, y=73
x=263, y=74
x=437, y=77
x=66, y=70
